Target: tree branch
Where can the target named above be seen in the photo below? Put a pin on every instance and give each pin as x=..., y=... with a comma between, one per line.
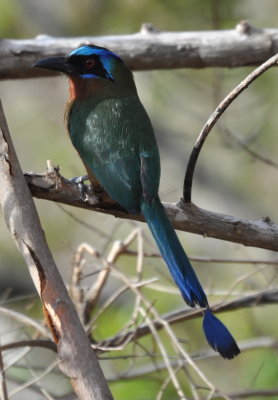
x=77, y=359
x=149, y=49
x=175, y=317
x=250, y=394
x=220, y=109
x=184, y=217
x=3, y=385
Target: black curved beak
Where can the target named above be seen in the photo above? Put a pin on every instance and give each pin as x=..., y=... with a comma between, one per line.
x=54, y=63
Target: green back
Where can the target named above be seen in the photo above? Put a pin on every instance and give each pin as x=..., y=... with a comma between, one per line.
x=115, y=139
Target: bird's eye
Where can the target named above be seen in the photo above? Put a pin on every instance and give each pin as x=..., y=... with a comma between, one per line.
x=90, y=63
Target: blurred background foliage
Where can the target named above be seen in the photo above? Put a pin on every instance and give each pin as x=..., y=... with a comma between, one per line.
x=179, y=102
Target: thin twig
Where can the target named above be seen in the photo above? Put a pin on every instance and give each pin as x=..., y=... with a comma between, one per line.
x=164, y=354
x=209, y=259
x=154, y=322
x=37, y=382
x=164, y=323
x=3, y=386
x=147, y=370
x=174, y=317
x=16, y=357
x=251, y=152
x=36, y=379
x=119, y=247
x=175, y=343
x=25, y=320
x=92, y=228
x=113, y=298
x=241, y=279
x=251, y=394
x=45, y=344
x=187, y=187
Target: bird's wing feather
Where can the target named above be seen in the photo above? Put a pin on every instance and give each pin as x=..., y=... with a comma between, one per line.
x=117, y=143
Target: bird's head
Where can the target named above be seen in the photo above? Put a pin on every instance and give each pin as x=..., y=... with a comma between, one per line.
x=90, y=67
x=87, y=62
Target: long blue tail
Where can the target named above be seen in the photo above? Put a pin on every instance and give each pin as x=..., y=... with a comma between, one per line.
x=183, y=274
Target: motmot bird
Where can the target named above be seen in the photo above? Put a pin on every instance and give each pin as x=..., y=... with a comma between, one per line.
x=113, y=134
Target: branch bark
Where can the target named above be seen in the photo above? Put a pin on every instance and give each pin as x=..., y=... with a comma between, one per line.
x=77, y=359
x=268, y=297
x=149, y=49
x=254, y=300
x=184, y=217
x=220, y=109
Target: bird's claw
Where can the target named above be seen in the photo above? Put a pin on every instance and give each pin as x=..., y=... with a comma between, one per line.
x=79, y=181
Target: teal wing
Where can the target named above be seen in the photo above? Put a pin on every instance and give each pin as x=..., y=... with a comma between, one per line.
x=121, y=180
x=117, y=143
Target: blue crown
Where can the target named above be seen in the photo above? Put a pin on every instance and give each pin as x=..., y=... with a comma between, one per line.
x=93, y=50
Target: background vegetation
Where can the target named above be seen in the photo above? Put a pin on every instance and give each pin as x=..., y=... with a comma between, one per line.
x=228, y=179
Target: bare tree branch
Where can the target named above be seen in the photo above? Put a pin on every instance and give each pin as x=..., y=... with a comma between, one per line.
x=3, y=386
x=257, y=299
x=149, y=49
x=45, y=344
x=187, y=186
x=208, y=259
x=251, y=394
x=77, y=359
x=257, y=156
x=146, y=370
x=185, y=217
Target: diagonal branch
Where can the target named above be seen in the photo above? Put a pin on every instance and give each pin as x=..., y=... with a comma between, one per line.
x=253, y=300
x=251, y=394
x=257, y=156
x=77, y=359
x=3, y=386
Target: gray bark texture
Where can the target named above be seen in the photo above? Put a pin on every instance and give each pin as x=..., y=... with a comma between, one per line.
x=185, y=217
x=77, y=358
x=149, y=49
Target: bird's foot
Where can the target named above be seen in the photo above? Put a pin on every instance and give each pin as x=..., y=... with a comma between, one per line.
x=79, y=181
x=86, y=191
